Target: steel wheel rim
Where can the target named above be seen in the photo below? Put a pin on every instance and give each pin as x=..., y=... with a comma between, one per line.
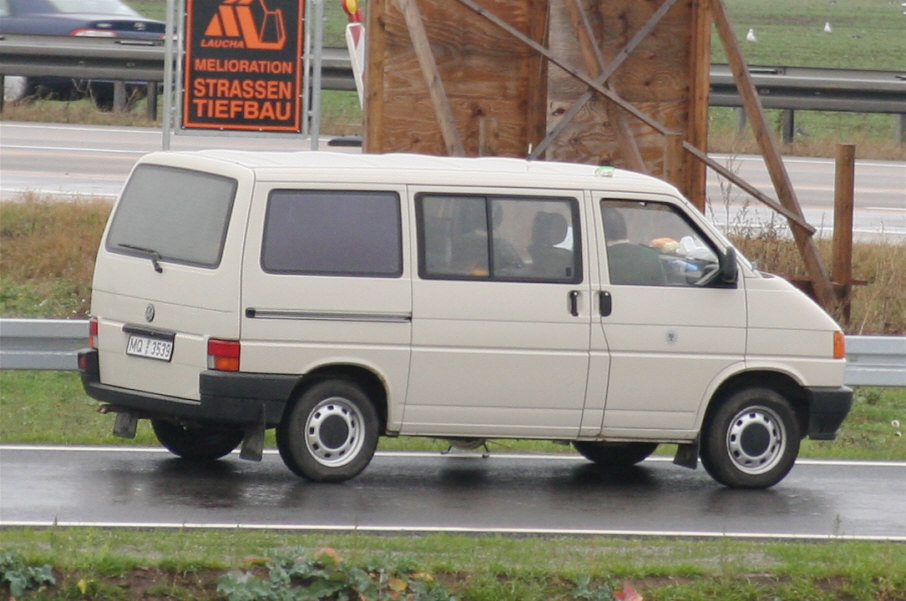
x=333, y=432
x=756, y=440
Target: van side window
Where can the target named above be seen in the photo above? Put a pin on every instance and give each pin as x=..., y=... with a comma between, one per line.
x=333, y=232
x=498, y=238
x=652, y=244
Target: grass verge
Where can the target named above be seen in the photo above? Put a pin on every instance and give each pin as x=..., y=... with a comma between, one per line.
x=183, y=565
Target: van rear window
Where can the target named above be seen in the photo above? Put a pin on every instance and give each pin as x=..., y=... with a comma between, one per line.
x=333, y=232
x=178, y=214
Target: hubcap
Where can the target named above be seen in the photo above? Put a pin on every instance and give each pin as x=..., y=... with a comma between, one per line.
x=332, y=432
x=756, y=440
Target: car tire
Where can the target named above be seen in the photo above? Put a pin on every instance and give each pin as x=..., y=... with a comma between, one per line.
x=751, y=440
x=329, y=433
x=615, y=454
x=196, y=443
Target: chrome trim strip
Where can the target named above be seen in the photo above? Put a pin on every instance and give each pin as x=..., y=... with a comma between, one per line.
x=328, y=315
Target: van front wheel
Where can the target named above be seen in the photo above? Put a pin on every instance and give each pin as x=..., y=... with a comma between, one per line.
x=752, y=440
x=330, y=432
x=196, y=443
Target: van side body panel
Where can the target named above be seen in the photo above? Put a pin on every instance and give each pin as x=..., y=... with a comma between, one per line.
x=336, y=267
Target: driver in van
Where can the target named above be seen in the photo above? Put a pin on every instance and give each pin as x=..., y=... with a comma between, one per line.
x=629, y=263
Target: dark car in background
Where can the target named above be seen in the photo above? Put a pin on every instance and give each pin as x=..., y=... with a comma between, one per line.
x=94, y=18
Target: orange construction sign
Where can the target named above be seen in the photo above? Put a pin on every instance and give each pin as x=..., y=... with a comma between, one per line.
x=243, y=66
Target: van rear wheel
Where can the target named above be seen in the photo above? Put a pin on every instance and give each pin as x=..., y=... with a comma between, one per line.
x=615, y=454
x=330, y=432
x=752, y=440
x=196, y=443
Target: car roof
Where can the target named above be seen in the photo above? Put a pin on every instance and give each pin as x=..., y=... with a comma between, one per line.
x=408, y=168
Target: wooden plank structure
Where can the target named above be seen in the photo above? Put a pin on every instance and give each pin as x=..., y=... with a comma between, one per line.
x=620, y=82
x=440, y=81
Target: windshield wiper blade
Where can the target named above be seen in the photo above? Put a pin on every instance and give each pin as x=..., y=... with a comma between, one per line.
x=152, y=254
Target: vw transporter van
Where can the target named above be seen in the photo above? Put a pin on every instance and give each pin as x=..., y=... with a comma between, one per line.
x=340, y=297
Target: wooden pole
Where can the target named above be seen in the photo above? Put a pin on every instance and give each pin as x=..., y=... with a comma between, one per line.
x=488, y=137
x=821, y=282
x=442, y=108
x=696, y=173
x=673, y=159
x=844, y=191
x=373, y=111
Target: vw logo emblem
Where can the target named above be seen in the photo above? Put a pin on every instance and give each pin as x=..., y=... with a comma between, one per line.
x=149, y=313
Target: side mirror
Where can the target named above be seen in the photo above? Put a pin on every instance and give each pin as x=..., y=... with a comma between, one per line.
x=729, y=270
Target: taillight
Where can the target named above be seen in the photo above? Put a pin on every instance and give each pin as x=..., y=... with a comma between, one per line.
x=223, y=355
x=93, y=332
x=94, y=33
x=839, y=345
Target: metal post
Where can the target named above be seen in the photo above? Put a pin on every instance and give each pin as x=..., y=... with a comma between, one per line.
x=168, y=76
x=787, y=125
x=741, y=120
x=152, y=91
x=119, y=96
x=306, y=68
x=317, y=45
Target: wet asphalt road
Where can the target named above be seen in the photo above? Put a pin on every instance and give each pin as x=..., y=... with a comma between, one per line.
x=416, y=492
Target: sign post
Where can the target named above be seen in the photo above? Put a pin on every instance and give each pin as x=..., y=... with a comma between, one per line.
x=243, y=65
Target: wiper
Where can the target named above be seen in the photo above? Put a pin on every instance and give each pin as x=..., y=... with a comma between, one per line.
x=153, y=254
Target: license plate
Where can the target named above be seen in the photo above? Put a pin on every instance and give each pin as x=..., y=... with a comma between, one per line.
x=151, y=348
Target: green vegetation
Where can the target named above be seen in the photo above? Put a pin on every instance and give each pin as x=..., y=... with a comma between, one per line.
x=866, y=34
x=188, y=565
x=19, y=576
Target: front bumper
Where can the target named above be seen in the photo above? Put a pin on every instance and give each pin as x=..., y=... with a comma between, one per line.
x=828, y=407
x=226, y=397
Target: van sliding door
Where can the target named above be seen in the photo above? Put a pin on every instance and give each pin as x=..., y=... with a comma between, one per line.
x=500, y=316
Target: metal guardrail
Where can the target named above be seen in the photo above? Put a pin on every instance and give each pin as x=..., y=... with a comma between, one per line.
x=876, y=360
x=808, y=88
x=798, y=88
x=41, y=343
x=129, y=60
x=52, y=344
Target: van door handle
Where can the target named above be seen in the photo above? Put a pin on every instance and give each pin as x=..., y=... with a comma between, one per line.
x=605, y=303
x=574, y=303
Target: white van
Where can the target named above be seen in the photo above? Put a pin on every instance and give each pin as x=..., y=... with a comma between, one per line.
x=343, y=297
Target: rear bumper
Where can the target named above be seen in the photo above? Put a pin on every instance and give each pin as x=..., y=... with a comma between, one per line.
x=828, y=407
x=226, y=397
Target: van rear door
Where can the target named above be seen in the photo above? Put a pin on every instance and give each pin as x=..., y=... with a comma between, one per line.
x=166, y=278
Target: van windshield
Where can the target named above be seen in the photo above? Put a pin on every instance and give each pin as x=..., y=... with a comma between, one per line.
x=179, y=215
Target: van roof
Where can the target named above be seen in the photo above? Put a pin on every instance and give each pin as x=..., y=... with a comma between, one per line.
x=431, y=169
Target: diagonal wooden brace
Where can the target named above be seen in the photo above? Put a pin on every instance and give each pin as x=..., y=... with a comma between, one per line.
x=791, y=215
